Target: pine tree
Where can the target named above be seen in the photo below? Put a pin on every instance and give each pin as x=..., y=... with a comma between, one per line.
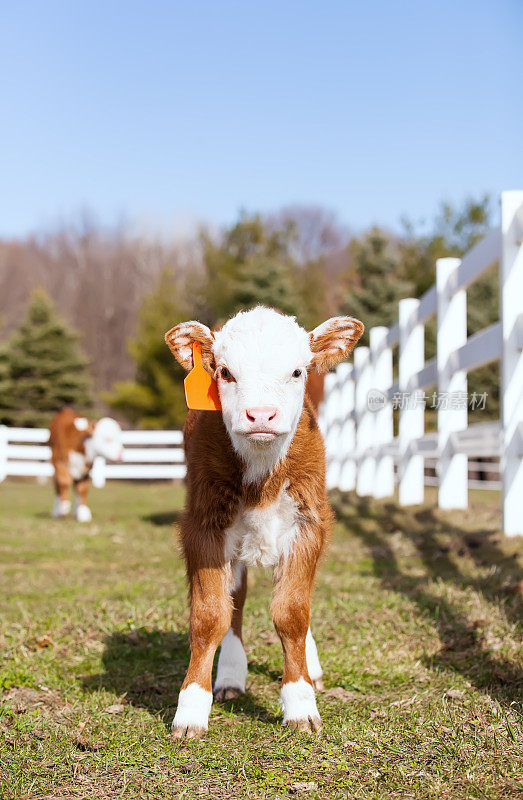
x=46, y=368
x=380, y=285
x=155, y=399
x=6, y=388
x=266, y=281
x=250, y=265
x=453, y=232
x=313, y=287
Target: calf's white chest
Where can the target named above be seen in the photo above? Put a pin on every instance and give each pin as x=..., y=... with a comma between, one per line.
x=77, y=465
x=260, y=536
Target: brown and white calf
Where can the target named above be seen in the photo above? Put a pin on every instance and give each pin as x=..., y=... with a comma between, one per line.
x=255, y=496
x=75, y=441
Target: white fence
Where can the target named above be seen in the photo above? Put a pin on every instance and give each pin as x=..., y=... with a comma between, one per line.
x=357, y=414
x=147, y=455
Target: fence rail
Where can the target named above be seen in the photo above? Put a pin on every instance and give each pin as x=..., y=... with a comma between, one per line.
x=357, y=413
x=147, y=455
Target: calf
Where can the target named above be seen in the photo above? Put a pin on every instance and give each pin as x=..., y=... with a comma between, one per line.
x=255, y=496
x=74, y=442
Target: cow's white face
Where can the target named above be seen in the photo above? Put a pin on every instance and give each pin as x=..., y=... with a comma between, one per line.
x=260, y=360
x=106, y=440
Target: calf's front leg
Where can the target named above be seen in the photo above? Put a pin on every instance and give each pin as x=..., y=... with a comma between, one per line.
x=63, y=481
x=211, y=611
x=290, y=610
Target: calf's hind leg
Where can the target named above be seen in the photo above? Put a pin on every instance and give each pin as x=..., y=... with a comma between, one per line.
x=313, y=662
x=82, y=511
x=232, y=662
x=211, y=611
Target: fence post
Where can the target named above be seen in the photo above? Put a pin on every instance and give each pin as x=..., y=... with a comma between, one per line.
x=381, y=358
x=364, y=423
x=347, y=441
x=98, y=472
x=511, y=297
x=411, y=414
x=331, y=432
x=3, y=452
x=452, y=333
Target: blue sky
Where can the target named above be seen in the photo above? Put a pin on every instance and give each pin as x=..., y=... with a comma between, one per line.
x=163, y=113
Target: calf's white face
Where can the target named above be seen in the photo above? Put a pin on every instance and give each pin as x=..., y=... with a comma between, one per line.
x=261, y=362
x=259, y=359
x=106, y=440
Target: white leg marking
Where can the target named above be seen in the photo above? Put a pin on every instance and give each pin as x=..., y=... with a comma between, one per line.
x=61, y=508
x=83, y=513
x=232, y=664
x=311, y=653
x=298, y=702
x=237, y=575
x=192, y=713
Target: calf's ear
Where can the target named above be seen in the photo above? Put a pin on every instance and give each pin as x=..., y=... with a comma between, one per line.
x=333, y=341
x=181, y=338
x=84, y=425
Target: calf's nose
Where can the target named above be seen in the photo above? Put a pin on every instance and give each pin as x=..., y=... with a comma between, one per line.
x=261, y=415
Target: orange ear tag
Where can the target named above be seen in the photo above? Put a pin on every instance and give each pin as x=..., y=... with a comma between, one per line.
x=201, y=391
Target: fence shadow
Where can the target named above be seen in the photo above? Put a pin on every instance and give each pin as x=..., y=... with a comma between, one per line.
x=463, y=647
x=148, y=667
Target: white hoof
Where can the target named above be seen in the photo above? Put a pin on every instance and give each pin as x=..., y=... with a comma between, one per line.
x=299, y=706
x=83, y=514
x=61, y=508
x=192, y=715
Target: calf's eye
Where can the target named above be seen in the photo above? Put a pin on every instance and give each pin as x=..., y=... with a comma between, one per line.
x=226, y=375
x=296, y=373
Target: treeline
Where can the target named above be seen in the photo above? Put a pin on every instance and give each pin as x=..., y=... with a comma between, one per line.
x=121, y=293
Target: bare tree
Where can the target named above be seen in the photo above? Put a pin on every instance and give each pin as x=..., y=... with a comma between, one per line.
x=97, y=279
x=317, y=231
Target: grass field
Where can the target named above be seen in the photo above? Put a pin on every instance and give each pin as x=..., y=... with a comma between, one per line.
x=416, y=619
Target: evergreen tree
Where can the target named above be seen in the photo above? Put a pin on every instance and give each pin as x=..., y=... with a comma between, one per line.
x=453, y=232
x=377, y=281
x=155, y=399
x=6, y=389
x=46, y=369
x=312, y=290
x=250, y=265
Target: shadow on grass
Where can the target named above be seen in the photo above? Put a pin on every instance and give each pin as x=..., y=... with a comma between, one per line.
x=164, y=517
x=257, y=668
x=463, y=649
x=149, y=667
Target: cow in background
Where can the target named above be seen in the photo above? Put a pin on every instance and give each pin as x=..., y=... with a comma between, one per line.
x=75, y=441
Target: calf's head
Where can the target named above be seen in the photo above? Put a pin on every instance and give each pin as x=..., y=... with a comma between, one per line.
x=106, y=439
x=260, y=359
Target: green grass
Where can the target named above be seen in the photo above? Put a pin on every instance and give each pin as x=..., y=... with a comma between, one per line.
x=416, y=618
